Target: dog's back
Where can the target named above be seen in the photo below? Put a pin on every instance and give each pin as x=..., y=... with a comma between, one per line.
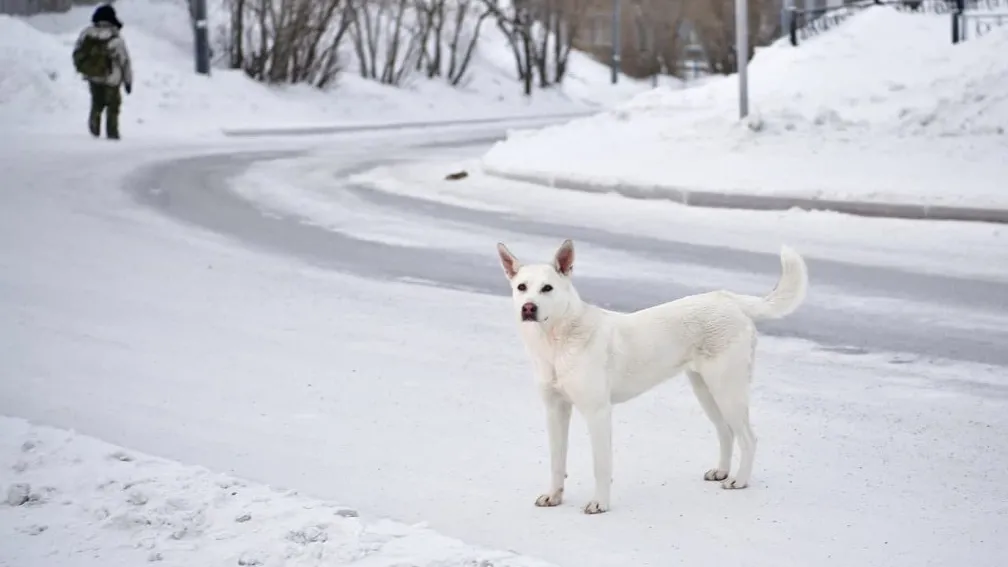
x=652, y=345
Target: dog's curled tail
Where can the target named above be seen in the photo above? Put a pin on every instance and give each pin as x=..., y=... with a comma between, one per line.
x=787, y=295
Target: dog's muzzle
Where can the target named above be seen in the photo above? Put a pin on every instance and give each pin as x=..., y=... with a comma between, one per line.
x=530, y=312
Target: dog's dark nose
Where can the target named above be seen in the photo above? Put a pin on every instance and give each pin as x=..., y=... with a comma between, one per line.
x=529, y=311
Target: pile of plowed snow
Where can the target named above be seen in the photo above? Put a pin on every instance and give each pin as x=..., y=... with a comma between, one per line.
x=883, y=70
x=885, y=83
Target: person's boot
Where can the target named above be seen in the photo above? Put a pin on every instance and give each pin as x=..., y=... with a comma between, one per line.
x=112, y=126
x=94, y=124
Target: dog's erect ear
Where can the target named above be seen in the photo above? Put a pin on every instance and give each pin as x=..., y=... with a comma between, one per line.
x=564, y=259
x=508, y=260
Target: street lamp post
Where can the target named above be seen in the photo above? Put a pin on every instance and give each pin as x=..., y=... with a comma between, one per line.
x=202, y=37
x=615, y=41
x=742, y=54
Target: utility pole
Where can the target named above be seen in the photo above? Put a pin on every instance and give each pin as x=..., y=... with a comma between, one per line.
x=615, y=41
x=201, y=35
x=742, y=54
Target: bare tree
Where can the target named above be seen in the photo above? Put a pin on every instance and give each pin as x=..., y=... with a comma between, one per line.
x=467, y=22
x=286, y=41
x=657, y=36
x=385, y=38
x=714, y=22
x=557, y=25
x=541, y=34
x=513, y=19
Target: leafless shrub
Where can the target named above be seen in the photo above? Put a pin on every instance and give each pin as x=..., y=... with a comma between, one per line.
x=452, y=25
x=286, y=41
x=714, y=22
x=655, y=42
x=541, y=34
x=386, y=38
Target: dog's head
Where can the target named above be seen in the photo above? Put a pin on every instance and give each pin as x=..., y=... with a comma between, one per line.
x=541, y=291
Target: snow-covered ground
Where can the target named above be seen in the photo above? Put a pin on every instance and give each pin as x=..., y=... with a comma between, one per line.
x=883, y=108
x=416, y=404
x=71, y=499
x=39, y=89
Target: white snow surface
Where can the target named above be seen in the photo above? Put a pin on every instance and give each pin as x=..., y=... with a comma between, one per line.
x=947, y=248
x=417, y=404
x=80, y=501
x=40, y=91
x=883, y=108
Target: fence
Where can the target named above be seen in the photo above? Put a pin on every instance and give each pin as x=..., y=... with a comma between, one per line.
x=969, y=18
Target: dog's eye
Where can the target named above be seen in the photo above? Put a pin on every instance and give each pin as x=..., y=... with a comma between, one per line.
x=522, y=287
x=547, y=288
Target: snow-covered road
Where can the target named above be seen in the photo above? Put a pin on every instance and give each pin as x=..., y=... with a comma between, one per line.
x=284, y=350
x=390, y=236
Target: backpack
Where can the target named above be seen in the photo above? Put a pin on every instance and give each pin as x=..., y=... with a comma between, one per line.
x=93, y=58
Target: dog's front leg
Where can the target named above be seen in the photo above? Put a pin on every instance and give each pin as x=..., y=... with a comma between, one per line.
x=600, y=430
x=558, y=416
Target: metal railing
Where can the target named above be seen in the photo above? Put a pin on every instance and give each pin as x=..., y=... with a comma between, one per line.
x=969, y=18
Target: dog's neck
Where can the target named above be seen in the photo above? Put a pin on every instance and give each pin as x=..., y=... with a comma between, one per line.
x=570, y=326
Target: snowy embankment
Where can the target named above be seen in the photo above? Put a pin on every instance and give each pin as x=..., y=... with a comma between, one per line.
x=974, y=250
x=39, y=89
x=883, y=108
x=71, y=499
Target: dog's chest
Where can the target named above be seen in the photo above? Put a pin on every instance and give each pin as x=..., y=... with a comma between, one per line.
x=561, y=359
x=561, y=372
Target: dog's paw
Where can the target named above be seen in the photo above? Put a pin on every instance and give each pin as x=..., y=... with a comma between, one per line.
x=715, y=474
x=733, y=484
x=594, y=507
x=550, y=500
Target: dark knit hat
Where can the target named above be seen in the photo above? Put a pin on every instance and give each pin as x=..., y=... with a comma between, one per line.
x=106, y=13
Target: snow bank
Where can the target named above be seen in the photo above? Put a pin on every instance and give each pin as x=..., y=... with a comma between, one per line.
x=72, y=499
x=972, y=250
x=40, y=90
x=883, y=107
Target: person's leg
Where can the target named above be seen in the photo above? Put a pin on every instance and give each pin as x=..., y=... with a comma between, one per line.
x=97, y=106
x=113, y=101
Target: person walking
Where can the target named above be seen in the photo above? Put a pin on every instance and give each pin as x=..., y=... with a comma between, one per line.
x=100, y=55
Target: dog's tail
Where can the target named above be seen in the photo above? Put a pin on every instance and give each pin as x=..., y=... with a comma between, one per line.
x=787, y=295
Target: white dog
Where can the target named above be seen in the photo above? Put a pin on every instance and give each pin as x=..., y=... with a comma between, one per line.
x=591, y=358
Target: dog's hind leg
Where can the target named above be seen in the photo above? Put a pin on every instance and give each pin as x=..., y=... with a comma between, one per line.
x=728, y=377
x=736, y=413
x=725, y=438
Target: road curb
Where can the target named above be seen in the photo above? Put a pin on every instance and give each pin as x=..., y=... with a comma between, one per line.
x=383, y=126
x=713, y=199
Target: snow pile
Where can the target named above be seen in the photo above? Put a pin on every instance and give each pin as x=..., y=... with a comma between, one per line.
x=882, y=70
x=74, y=499
x=39, y=88
x=883, y=105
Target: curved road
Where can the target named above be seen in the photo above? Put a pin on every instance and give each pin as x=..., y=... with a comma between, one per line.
x=933, y=320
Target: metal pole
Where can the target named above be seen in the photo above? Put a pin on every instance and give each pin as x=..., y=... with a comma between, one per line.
x=615, y=41
x=742, y=54
x=786, y=6
x=202, y=37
